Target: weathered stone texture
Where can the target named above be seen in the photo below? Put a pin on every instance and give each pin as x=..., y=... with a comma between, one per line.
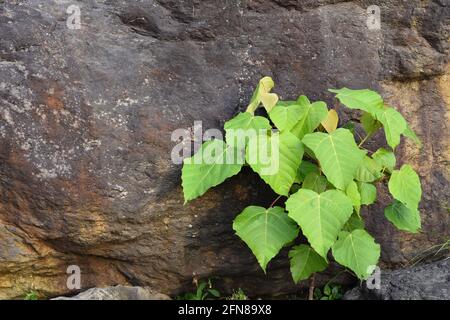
x=86, y=118
x=425, y=282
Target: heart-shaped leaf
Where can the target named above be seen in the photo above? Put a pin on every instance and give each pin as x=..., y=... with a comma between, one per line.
x=211, y=165
x=304, y=262
x=369, y=170
x=368, y=193
x=366, y=100
x=393, y=123
x=312, y=115
x=315, y=182
x=276, y=159
x=285, y=117
x=386, y=159
x=358, y=251
x=262, y=95
x=404, y=185
x=243, y=126
x=338, y=154
x=265, y=231
x=402, y=217
x=320, y=216
x=331, y=121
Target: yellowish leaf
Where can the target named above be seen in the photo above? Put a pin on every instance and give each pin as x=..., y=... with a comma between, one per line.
x=263, y=95
x=331, y=121
x=269, y=100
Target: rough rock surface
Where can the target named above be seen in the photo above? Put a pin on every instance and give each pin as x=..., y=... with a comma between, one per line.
x=86, y=118
x=425, y=282
x=117, y=293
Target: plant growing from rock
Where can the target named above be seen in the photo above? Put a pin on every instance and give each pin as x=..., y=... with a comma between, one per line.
x=238, y=295
x=330, y=292
x=204, y=291
x=31, y=295
x=322, y=172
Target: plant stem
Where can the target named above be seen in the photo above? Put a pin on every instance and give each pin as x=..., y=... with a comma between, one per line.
x=338, y=104
x=363, y=140
x=337, y=275
x=359, y=136
x=311, y=287
x=275, y=201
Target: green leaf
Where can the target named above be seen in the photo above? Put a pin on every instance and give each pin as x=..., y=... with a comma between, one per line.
x=201, y=287
x=336, y=292
x=353, y=193
x=358, y=251
x=286, y=103
x=265, y=231
x=239, y=129
x=369, y=170
x=305, y=168
x=286, y=117
x=404, y=185
x=386, y=159
x=315, y=182
x=412, y=135
x=338, y=154
x=262, y=95
x=366, y=100
x=327, y=290
x=368, y=193
x=214, y=292
x=210, y=166
x=394, y=125
x=369, y=123
x=276, y=159
x=317, y=294
x=313, y=114
x=321, y=216
x=402, y=217
x=355, y=222
x=304, y=262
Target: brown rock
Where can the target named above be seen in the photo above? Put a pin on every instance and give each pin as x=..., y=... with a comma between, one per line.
x=86, y=118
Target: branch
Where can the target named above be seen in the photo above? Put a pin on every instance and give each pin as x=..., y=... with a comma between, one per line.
x=275, y=201
x=311, y=287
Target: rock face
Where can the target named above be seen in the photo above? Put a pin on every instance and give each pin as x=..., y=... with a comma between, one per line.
x=117, y=293
x=86, y=117
x=425, y=282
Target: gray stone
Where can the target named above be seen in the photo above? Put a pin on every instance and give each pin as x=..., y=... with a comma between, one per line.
x=425, y=282
x=117, y=293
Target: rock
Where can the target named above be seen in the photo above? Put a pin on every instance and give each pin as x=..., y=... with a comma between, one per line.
x=425, y=282
x=86, y=118
x=117, y=293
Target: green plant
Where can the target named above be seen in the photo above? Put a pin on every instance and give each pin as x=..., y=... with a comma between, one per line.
x=238, y=295
x=324, y=174
x=32, y=295
x=330, y=292
x=204, y=291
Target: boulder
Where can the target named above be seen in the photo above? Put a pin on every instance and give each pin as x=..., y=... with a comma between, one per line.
x=86, y=118
x=117, y=293
x=425, y=282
